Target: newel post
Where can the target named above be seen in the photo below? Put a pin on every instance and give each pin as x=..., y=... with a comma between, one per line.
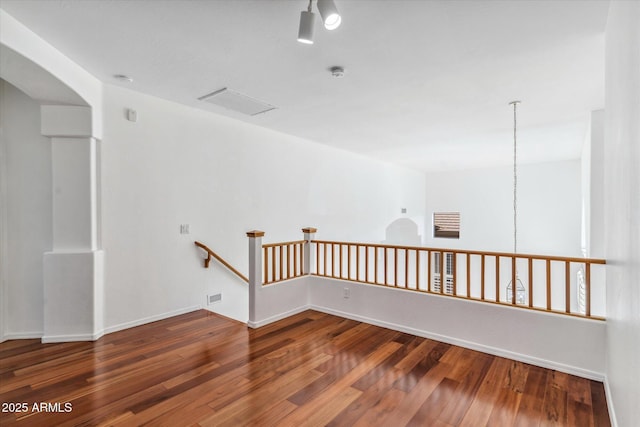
x=309, y=235
x=255, y=274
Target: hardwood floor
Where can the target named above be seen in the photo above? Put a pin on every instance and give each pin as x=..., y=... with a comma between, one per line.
x=309, y=369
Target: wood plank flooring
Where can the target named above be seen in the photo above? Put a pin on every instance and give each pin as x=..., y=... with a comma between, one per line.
x=309, y=369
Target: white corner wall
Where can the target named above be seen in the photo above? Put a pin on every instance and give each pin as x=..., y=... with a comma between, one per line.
x=549, y=208
x=622, y=211
x=27, y=205
x=179, y=165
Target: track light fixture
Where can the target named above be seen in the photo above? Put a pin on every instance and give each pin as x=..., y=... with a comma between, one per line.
x=329, y=13
x=305, y=31
x=330, y=18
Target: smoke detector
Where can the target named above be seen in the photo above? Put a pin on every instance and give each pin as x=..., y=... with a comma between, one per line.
x=337, y=72
x=123, y=78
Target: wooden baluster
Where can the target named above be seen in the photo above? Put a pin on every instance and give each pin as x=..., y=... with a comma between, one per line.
x=333, y=260
x=513, y=280
x=530, y=282
x=497, y=278
x=406, y=268
x=548, y=284
x=482, y=277
x=340, y=261
x=281, y=261
x=348, y=262
x=468, y=275
x=301, y=258
x=289, y=258
x=443, y=276
x=366, y=264
x=385, y=265
x=357, y=263
x=567, y=287
x=326, y=249
x=428, y=271
x=273, y=263
x=295, y=260
x=454, y=268
x=395, y=267
x=375, y=262
x=266, y=265
x=417, y=269
x=587, y=289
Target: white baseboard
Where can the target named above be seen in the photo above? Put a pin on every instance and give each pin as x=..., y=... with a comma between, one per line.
x=22, y=335
x=609, y=397
x=597, y=376
x=277, y=317
x=46, y=339
x=150, y=319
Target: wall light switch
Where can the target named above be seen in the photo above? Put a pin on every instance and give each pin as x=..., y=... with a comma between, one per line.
x=184, y=228
x=403, y=210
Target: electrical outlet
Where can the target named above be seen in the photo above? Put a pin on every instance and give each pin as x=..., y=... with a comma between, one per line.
x=346, y=293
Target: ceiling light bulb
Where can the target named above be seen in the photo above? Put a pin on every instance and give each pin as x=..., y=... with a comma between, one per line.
x=329, y=13
x=305, y=31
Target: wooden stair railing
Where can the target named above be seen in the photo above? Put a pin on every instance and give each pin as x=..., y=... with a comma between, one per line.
x=463, y=275
x=211, y=253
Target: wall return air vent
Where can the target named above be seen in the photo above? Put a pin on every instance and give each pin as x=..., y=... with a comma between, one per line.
x=236, y=101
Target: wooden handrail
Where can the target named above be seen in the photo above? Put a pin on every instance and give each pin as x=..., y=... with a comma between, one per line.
x=293, y=242
x=211, y=253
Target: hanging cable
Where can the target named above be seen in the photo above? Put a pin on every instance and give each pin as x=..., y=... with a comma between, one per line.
x=515, y=179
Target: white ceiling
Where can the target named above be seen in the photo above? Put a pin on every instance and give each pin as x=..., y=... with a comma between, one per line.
x=427, y=83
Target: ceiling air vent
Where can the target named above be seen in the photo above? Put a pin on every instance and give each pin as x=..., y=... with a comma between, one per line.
x=236, y=101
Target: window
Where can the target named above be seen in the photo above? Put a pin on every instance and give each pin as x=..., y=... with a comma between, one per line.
x=448, y=277
x=446, y=224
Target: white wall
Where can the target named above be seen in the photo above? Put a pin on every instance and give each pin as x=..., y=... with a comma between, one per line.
x=622, y=210
x=549, y=208
x=28, y=209
x=222, y=177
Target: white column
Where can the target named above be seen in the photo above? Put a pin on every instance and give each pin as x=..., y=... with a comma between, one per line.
x=255, y=275
x=309, y=252
x=73, y=270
